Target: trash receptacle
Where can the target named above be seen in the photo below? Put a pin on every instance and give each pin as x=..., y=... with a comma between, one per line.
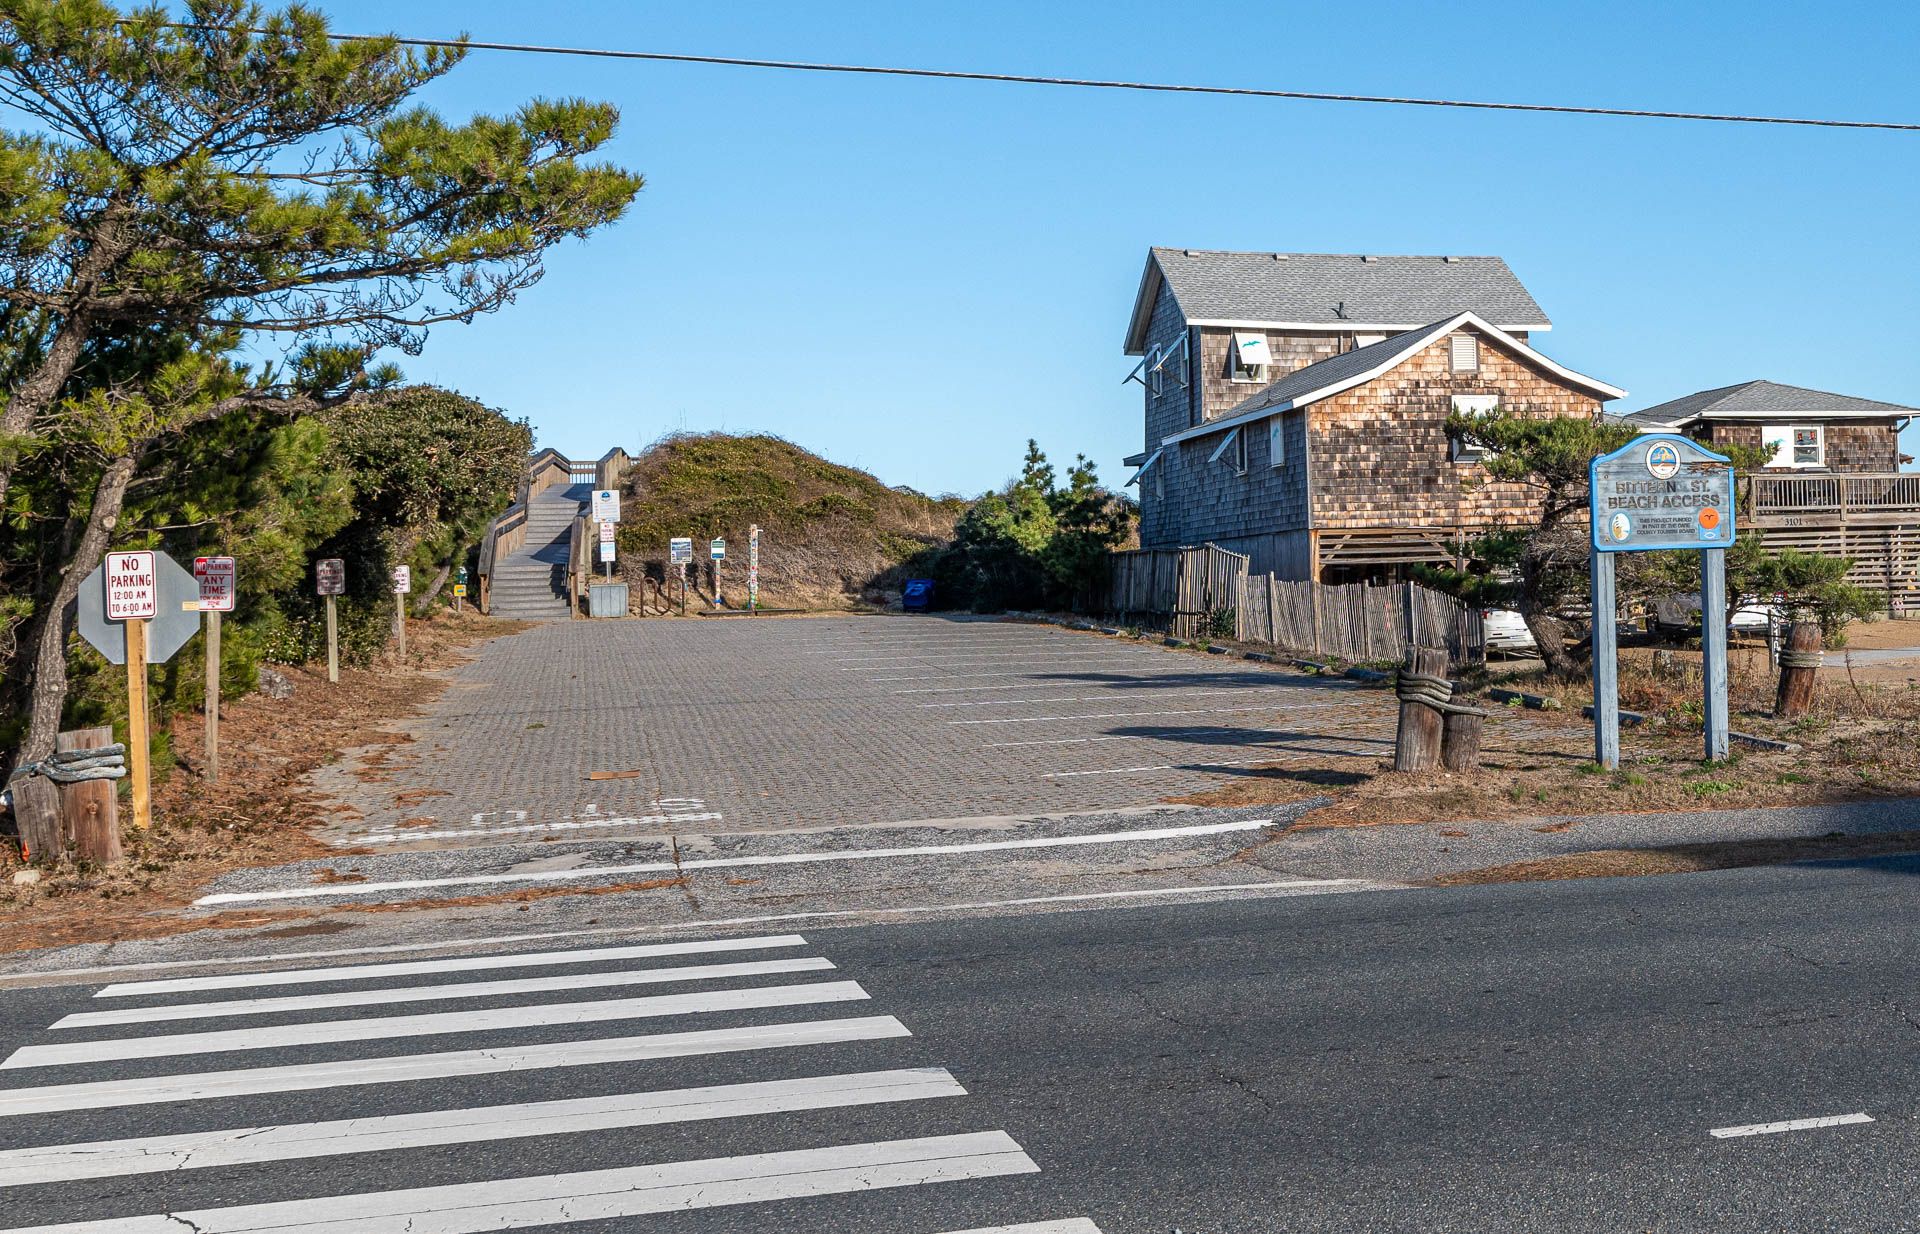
x=917, y=595
x=606, y=599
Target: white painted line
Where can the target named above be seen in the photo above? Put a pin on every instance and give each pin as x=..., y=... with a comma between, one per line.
x=1122, y=771
x=434, y=1024
x=711, y=863
x=1074, y=1225
x=1014, y=685
x=1792, y=1124
x=439, y=993
x=1120, y=715
x=653, y=820
x=881, y=666
x=1293, y=887
x=347, y=1073
x=989, y=656
x=600, y=1195
x=1125, y=692
x=459, y=964
x=230, y=1146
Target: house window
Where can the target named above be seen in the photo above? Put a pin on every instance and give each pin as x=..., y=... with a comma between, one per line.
x=1248, y=357
x=1153, y=372
x=1234, y=450
x=1795, y=445
x=1168, y=362
x=1464, y=351
x=1458, y=449
x=1277, y=442
x=1144, y=469
x=1367, y=340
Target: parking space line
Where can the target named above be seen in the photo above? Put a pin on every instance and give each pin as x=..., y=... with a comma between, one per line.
x=1792, y=1124
x=1117, y=715
x=1096, y=698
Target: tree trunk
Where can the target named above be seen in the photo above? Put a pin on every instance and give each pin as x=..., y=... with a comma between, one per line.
x=48, y=692
x=1798, y=678
x=1417, y=744
x=1550, y=636
x=423, y=604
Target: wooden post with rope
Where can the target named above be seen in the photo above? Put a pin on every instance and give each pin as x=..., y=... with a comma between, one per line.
x=1434, y=730
x=90, y=809
x=1799, y=670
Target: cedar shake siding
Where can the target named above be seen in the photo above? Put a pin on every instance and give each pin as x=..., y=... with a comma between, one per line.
x=1851, y=445
x=1381, y=453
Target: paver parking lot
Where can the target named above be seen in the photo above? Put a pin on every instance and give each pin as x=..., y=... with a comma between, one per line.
x=731, y=724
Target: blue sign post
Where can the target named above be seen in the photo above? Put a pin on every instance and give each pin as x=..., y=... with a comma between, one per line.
x=1659, y=491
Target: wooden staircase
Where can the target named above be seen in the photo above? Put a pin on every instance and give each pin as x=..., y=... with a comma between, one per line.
x=531, y=559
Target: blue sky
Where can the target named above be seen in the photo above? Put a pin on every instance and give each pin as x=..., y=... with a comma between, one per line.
x=913, y=277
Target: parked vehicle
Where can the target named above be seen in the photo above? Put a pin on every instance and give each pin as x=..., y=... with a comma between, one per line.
x=1678, y=616
x=1506, y=632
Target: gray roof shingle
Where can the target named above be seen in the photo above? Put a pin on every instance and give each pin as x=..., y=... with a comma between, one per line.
x=1757, y=400
x=1332, y=289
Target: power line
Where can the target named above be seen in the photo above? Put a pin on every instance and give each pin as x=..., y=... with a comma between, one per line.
x=807, y=66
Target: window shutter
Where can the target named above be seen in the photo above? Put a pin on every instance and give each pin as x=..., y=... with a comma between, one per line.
x=1277, y=442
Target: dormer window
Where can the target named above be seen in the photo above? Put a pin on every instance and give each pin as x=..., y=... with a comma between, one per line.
x=1464, y=353
x=1248, y=357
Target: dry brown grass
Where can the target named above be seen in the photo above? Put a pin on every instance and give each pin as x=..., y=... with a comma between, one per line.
x=257, y=814
x=1687, y=858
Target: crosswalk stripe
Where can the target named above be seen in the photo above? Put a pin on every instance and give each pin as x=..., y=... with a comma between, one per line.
x=438, y=993
x=1073, y=1225
x=251, y=1145
x=384, y=1027
x=305, y=1077
x=598, y=1195
x=461, y=964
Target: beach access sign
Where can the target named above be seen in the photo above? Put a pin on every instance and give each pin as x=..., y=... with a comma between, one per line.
x=1661, y=491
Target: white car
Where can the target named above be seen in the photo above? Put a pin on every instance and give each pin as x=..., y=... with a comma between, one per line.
x=1506, y=631
x=1681, y=614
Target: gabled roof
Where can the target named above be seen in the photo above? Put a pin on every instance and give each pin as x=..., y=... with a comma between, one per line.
x=1363, y=364
x=1339, y=291
x=1765, y=400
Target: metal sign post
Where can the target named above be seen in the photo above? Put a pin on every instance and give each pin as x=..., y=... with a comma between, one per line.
x=133, y=597
x=607, y=550
x=216, y=576
x=330, y=580
x=716, y=553
x=460, y=589
x=753, y=567
x=680, y=553
x=1659, y=491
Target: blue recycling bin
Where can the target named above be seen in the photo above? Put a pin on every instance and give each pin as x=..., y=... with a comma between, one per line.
x=917, y=595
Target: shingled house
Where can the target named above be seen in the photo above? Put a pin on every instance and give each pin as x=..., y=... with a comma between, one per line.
x=1832, y=482
x=1296, y=404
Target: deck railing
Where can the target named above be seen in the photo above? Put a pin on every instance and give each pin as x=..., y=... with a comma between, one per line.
x=1838, y=495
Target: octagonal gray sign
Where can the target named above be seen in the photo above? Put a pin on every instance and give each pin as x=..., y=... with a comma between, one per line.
x=167, y=633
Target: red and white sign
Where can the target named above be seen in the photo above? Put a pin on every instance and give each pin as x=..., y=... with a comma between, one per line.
x=133, y=586
x=216, y=577
x=330, y=576
x=402, y=580
x=606, y=533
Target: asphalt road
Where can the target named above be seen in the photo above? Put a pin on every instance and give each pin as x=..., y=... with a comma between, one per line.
x=1535, y=1057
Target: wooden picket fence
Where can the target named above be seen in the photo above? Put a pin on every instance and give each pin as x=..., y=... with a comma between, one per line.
x=1208, y=592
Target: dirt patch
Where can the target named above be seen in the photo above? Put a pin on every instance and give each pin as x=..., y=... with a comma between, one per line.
x=1858, y=744
x=1686, y=858
x=258, y=813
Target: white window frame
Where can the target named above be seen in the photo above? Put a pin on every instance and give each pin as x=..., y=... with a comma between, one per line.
x=1247, y=374
x=1144, y=467
x=1158, y=360
x=1459, y=451
x=1463, y=346
x=1277, y=441
x=1786, y=454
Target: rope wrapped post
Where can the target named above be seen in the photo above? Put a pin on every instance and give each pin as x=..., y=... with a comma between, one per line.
x=86, y=763
x=1799, y=670
x=1423, y=689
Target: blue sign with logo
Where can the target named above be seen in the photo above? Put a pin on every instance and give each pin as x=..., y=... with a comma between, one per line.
x=1661, y=491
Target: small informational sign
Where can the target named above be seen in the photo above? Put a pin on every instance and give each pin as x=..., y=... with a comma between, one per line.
x=133, y=586
x=402, y=580
x=717, y=550
x=216, y=577
x=606, y=552
x=606, y=506
x=1661, y=491
x=753, y=567
x=680, y=550
x=606, y=533
x=330, y=577
x=459, y=590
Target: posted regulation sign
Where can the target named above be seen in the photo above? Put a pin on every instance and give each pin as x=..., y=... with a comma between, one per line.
x=1660, y=491
x=216, y=577
x=133, y=586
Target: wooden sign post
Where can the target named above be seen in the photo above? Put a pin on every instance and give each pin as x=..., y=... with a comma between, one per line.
x=216, y=576
x=133, y=598
x=1659, y=491
x=330, y=579
x=402, y=587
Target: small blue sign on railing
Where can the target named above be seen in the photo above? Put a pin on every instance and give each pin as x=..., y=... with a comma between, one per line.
x=917, y=594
